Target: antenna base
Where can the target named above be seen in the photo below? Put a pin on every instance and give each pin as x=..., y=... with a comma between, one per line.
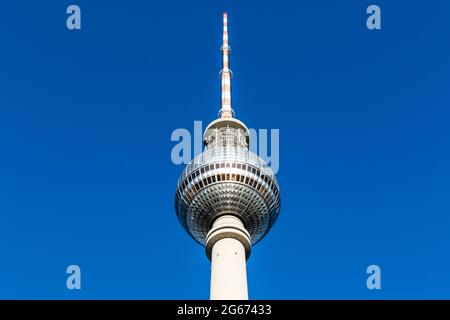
x=222, y=111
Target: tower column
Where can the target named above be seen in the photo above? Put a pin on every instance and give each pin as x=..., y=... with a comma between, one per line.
x=228, y=247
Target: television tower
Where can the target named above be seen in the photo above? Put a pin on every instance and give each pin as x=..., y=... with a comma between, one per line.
x=227, y=198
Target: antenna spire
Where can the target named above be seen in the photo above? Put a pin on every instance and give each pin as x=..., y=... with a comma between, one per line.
x=226, y=111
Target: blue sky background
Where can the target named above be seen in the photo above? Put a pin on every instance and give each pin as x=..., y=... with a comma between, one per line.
x=86, y=116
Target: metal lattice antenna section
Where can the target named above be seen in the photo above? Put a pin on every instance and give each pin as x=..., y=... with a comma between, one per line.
x=226, y=111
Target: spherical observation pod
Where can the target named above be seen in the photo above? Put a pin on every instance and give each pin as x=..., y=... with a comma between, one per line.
x=227, y=181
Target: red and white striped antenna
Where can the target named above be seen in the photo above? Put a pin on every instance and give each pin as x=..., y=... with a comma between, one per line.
x=226, y=111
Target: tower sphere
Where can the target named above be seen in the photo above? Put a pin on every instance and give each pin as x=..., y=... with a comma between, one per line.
x=227, y=179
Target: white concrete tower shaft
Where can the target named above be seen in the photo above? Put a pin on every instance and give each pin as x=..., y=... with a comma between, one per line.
x=228, y=247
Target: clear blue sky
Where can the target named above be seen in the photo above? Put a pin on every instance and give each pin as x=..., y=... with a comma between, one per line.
x=86, y=116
